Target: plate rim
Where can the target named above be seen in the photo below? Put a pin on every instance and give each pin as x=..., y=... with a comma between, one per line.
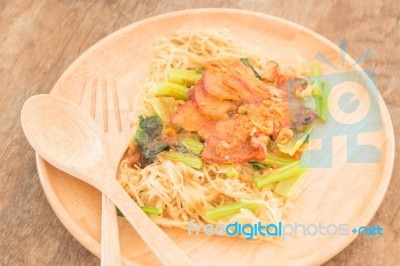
x=94, y=247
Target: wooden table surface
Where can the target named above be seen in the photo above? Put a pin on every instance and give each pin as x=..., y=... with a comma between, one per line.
x=40, y=39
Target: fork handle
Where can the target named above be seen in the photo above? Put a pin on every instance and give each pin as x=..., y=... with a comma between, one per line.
x=110, y=250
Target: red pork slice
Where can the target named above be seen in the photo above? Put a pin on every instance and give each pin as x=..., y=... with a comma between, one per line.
x=221, y=151
x=253, y=84
x=213, y=84
x=188, y=117
x=241, y=88
x=230, y=141
x=211, y=106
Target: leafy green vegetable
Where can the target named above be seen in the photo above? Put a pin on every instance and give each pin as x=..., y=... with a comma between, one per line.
x=287, y=187
x=232, y=172
x=229, y=170
x=183, y=77
x=164, y=107
x=151, y=151
x=188, y=159
x=119, y=213
x=257, y=166
x=289, y=171
x=199, y=70
x=316, y=91
x=149, y=128
x=227, y=210
x=322, y=105
x=297, y=140
x=277, y=159
x=152, y=210
x=320, y=93
x=147, y=210
x=192, y=145
x=176, y=91
x=317, y=74
x=246, y=62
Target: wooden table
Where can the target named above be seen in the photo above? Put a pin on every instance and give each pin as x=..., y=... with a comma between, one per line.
x=40, y=39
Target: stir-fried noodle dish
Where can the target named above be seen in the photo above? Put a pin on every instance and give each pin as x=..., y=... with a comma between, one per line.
x=219, y=130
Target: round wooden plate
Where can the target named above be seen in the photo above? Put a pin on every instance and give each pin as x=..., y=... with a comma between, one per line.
x=345, y=193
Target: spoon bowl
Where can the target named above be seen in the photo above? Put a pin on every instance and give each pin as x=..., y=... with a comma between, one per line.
x=81, y=142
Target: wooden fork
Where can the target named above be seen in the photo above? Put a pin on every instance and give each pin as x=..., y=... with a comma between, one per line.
x=109, y=107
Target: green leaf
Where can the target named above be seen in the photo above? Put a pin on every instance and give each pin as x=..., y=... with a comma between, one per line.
x=149, y=128
x=151, y=151
x=258, y=166
x=296, y=141
x=246, y=62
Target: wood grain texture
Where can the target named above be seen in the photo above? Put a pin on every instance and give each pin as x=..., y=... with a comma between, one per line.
x=39, y=40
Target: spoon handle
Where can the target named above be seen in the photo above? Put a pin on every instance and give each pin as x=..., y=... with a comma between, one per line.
x=164, y=248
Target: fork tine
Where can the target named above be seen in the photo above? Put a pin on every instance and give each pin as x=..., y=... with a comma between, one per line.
x=99, y=98
x=123, y=108
x=87, y=101
x=114, y=122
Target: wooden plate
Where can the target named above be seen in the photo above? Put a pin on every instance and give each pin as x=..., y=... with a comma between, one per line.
x=346, y=193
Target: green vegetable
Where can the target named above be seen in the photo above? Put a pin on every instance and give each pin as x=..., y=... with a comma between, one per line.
x=149, y=129
x=258, y=166
x=246, y=62
x=164, y=107
x=227, y=210
x=192, y=145
x=317, y=74
x=286, y=188
x=320, y=93
x=289, y=171
x=316, y=91
x=188, y=159
x=147, y=210
x=152, y=210
x=177, y=91
x=279, y=160
x=322, y=106
x=297, y=140
x=151, y=151
x=183, y=77
x=230, y=170
x=199, y=70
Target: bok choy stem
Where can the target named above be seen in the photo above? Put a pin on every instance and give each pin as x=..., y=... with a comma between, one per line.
x=192, y=145
x=177, y=91
x=183, y=77
x=188, y=159
x=289, y=171
x=230, y=209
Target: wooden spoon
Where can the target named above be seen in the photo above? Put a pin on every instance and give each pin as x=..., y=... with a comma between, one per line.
x=65, y=136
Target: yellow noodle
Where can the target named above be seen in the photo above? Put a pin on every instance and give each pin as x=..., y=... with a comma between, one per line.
x=182, y=192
